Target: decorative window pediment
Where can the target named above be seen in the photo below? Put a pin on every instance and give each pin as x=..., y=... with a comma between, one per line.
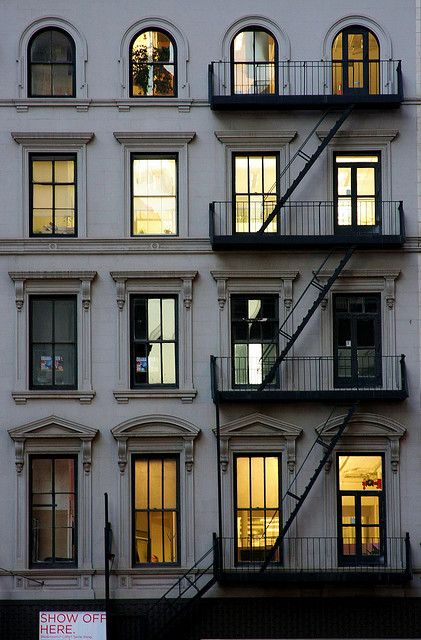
x=276, y=433
x=52, y=429
x=154, y=427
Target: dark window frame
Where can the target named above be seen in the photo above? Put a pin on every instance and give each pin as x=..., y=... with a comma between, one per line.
x=358, y=558
x=366, y=61
x=146, y=385
x=247, y=297
x=52, y=157
x=149, y=510
x=155, y=156
x=354, y=226
x=254, y=29
x=54, y=563
x=30, y=64
x=38, y=387
x=174, y=64
x=235, y=194
x=355, y=381
x=259, y=557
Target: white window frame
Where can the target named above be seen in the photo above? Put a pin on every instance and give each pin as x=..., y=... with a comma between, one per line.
x=54, y=144
x=78, y=283
x=54, y=436
x=148, y=142
x=148, y=283
x=81, y=53
x=150, y=435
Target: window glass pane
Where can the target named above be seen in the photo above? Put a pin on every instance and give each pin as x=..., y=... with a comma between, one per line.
x=42, y=320
x=359, y=159
x=140, y=323
x=155, y=484
x=366, y=211
x=255, y=174
x=257, y=482
x=42, y=170
x=243, y=483
x=154, y=319
x=344, y=181
x=365, y=332
x=42, y=196
x=42, y=538
x=170, y=537
x=41, y=76
x=62, y=79
x=141, y=484
x=170, y=484
x=370, y=541
x=360, y=473
x=156, y=531
x=61, y=48
x=64, y=475
x=348, y=509
x=373, y=47
x=154, y=363
x=366, y=181
x=349, y=540
x=355, y=46
x=65, y=365
x=337, y=47
x=241, y=174
x=168, y=363
x=152, y=65
x=42, y=365
x=370, y=510
x=41, y=475
x=263, y=47
x=41, y=47
x=64, y=170
x=142, y=540
x=269, y=167
x=168, y=319
x=272, y=482
x=243, y=46
x=64, y=320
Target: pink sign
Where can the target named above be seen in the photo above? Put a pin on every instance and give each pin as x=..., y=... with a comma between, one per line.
x=72, y=625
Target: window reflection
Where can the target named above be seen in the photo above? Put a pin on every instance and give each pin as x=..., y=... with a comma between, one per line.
x=255, y=192
x=152, y=62
x=253, y=56
x=51, y=64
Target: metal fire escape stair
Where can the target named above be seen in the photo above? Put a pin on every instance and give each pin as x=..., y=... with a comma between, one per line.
x=310, y=159
x=328, y=447
x=323, y=290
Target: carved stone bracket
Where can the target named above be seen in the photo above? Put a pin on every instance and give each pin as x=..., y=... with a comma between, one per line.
x=394, y=454
x=288, y=293
x=87, y=455
x=19, y=294
x=86, y=294
x=188, y=454
x=291, y=457
x=390, y=292
x=187, y=292
x=122, y=454
x=224, y=454
x=19, y=455
x=121, y=293
x=221, y=287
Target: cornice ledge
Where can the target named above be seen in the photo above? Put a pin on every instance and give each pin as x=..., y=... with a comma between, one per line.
x=152, y=275
x=53, y=275
x=42, y=137
x=84, y=397
x=363, y=273
x=248, y=273
x=133, y=137
x=383, y=134
x=272, y=135
x=124, y=395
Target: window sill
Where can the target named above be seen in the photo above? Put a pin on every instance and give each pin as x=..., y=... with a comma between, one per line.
x=84, y=397
x=124, y=395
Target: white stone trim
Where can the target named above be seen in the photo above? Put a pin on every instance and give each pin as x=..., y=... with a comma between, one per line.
x=156, y=434
x=252, y=141
x=366, y=433
x=281, y=37
x=183, y=88
x=81, y=53
x=53, y=435
x=157, y=142
x=385, y=41
x=53, y=283
x=55, y=143
x=179, y=283
x=255, y=434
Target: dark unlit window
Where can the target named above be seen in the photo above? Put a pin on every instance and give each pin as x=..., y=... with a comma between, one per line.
x=51, y=65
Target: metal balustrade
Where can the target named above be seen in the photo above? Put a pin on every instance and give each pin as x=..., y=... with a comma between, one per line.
x=318, y=557
x=301, y=83
x=310, y=378
x=301, y=222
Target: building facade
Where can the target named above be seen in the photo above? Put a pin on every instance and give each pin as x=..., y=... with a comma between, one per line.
x=209, y=281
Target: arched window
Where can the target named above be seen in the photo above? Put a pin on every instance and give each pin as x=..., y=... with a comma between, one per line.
x=253, y=55
x=153, y=65
x=51, y=65
x=356, y=62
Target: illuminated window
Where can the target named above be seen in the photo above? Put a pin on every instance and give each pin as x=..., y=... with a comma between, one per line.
x=357, y=191
x=152, y=65
x=53, y=346
x=361, y=509
x=156, y=510
x=356, y=62
x=154, y=341
x=255, y=191
x=253, y=56
x=53, y=195
x=154, y=195
x=257, y=499
x=254, y=337
x=53, y=510
x=51, y=65
x=357, y=341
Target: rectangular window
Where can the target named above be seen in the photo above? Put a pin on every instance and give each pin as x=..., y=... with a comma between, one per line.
x=154, y=194
x=153, y=340
x=357, y=341
x=257, y=506
x=361, y=509
x=254, y=337
x=53, y=342
x=53, y=511
x=357, y=191
x=156, y=510
x=255, y=191
x=52, y=195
